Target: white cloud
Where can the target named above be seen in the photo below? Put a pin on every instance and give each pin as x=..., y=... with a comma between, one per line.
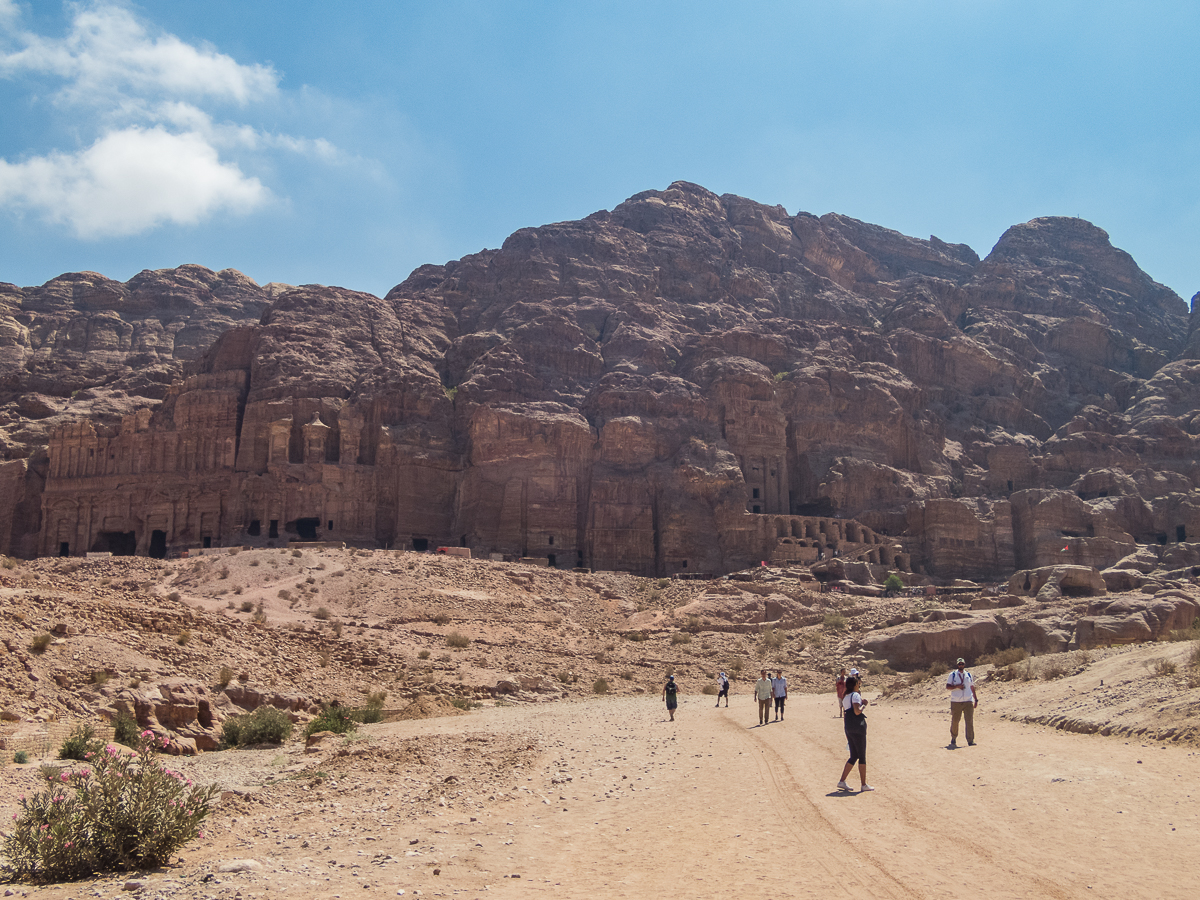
x=108, y=53
x=128, y=181
x=157, y=155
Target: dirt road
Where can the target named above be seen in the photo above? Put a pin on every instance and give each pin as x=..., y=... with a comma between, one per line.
x=618, y=802
x=711, y=804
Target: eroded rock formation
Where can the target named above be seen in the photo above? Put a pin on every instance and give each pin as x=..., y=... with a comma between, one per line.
x=686, y=384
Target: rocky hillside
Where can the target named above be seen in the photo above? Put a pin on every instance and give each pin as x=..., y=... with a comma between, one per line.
x=681, y=384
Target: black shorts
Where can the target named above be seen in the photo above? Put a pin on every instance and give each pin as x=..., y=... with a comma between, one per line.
x=857, y=743
x=779, y=703
x=724, y=692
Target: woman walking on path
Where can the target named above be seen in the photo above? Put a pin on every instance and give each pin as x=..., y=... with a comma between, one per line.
x=840, y=684
x=855, y=724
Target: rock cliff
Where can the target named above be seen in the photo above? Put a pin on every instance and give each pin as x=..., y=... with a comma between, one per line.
x=689, y=383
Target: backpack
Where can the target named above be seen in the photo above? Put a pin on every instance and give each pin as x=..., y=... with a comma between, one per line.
x=671, y=688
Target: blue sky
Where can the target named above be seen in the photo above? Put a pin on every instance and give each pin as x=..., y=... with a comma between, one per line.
x=349, y=143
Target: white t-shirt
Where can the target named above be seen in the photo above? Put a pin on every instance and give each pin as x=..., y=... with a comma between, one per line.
x=850, y=699
x=962, y=692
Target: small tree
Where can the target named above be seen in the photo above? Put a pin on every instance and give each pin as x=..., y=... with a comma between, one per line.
x=124, y=812
x=893, y=583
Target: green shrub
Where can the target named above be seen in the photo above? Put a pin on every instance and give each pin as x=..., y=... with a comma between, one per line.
x=100, y=677
x=875, y=667
x=224, y=676
x=79, y=743
x=600, y=686
x=772, y=639
x=834, y=621
x=373, y=711
x=184, y=638
x=893, y=583
x=458, y=641
x=338, y=719
x=938, y=668
x=125, y=730
x=8, y=562
x=126, y=812
x=21, y=757
x=266, y=725
x=635, y=635
x=40, y=643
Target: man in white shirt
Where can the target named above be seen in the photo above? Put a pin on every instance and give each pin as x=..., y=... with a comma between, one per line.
x=963, y=701
x=779, y=691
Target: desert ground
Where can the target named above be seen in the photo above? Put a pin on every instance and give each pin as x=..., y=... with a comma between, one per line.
x=554, y=790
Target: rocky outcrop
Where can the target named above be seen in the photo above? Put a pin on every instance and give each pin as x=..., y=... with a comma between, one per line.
x=1132, y=620
x=674, y=386
x=916, y=646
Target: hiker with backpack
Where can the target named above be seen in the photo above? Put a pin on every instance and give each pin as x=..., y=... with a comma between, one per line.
x=723, y=690
x=671, y=695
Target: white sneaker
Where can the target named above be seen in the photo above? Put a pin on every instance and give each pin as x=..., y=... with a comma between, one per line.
x=867, y=787
x=842, y=786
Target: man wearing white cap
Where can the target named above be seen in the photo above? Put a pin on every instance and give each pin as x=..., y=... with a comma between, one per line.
x=963, y=701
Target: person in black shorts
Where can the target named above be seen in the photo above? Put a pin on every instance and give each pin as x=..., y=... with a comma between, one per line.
x=855, y=723
x=723, y=684
x=671, y=695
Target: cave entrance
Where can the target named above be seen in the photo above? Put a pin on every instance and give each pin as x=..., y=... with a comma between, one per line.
x=158, y=544
x=255, y=528
x=421, y=544
x=307, y=528
x=1181, y=533
x=274, y=529
x=553, y=560
x=64, y=548
x=118, y=543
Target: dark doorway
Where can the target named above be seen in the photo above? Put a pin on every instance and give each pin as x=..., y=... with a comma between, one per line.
x=64, y=549
x=330, y=525
x=255, y=528
x=118, y=543
x=757, y=508
x=1180, y=533
x=684, y=566
x=462, y=541
x=307, y=528
x=158, y=544
x=553, y=561
x=420, y=544
x=274, y=529
x=206, y=542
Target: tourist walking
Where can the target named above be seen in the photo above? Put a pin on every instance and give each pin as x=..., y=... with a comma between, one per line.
x=839, y=685
x=855, y=725
x=671, y=695
x=763, y=693
x=963, y=700
x=779, y=692
x=723, y=690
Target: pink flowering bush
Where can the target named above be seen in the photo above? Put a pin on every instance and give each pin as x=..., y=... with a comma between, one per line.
x=118, y=812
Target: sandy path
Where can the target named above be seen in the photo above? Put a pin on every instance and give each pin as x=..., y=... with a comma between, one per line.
x=621, y=803
x=709, y=804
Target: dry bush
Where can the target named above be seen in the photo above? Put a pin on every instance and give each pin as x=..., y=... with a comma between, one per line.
x=875, y=667
x=834, y=622
x=41, y=642
x=680, y=637
x=323, y=659
x=247, y=606
x=224, y=676
x=183, y=638
x=284, y=594
x=1002, y=658
x=174, y=596
x=321, y=613
x=424, y=654
x=441, y=619
x=711, y=689
x=1162, y=667
x=337, y=629
x=224, y=573
x=457, y=641
x=297, y=554
x=627, y=675
x=1055, y=668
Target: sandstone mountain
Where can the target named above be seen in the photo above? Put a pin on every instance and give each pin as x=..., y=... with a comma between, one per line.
x=690, y=383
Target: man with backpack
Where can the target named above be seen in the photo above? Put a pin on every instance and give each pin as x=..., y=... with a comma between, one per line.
x=671, y=695
x=963, y=700
x=723, y=690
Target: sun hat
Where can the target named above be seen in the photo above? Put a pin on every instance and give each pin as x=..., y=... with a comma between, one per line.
x=961, y=662
x=854, y=671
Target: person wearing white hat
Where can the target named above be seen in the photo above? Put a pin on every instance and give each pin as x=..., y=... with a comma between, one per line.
x=963, y=700
x=723, y=689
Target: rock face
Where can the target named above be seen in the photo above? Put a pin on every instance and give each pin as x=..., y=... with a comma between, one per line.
x=689, y=383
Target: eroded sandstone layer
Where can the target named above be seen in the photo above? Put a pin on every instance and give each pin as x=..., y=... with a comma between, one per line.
x=690, y=383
